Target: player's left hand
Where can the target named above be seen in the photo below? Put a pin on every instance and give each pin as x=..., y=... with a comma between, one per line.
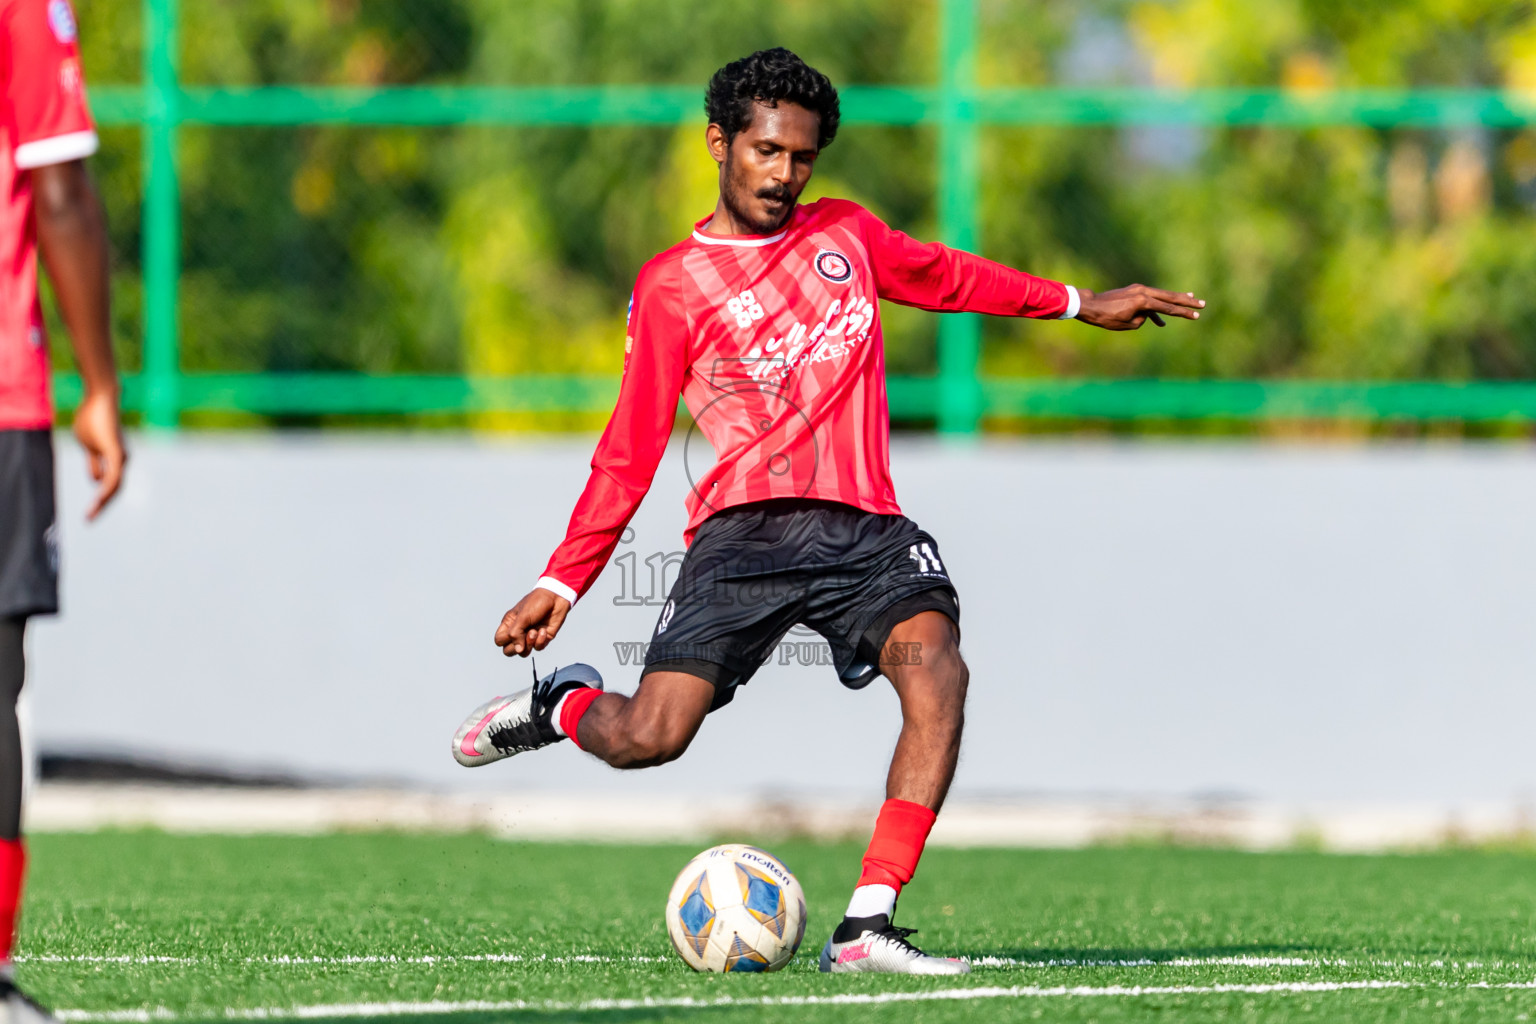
x=100, y=433
x=1126, y=309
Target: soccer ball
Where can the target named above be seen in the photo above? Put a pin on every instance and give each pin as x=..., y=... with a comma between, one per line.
x=736, y=908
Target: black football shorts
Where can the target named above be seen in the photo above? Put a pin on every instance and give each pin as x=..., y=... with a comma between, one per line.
x=756, y=571
x=29, y=548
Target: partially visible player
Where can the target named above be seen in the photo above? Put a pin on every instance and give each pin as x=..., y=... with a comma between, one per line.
x=766, y=319
x=47, y=203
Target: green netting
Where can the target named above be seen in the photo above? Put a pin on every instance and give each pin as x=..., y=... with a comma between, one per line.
x=390, y=207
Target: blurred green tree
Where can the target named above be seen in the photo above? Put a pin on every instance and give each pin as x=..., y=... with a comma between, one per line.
x=1347, y=252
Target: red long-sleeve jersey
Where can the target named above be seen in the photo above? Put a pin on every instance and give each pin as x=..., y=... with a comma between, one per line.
x=774, y=343
x=44, y=119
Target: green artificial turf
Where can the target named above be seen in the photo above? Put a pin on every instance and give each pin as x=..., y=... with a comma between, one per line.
x=279, y=923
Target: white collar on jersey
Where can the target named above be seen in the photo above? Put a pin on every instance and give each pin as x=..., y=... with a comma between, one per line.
x=750, y=243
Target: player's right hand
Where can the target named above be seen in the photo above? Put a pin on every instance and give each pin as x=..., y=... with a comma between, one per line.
x=99, y=430
x=532, y=623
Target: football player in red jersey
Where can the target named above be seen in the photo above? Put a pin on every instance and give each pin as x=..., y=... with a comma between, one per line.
x=766, y=320
x=47, y=203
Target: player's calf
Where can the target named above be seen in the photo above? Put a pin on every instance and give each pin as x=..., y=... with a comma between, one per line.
x=653, y=727
x=932, y=689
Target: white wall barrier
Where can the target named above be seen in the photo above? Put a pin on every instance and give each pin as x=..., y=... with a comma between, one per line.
x=1285, y=622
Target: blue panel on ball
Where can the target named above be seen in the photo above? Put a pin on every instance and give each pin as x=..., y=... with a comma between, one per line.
x=749, y=965
x=695, y=913
x=762, y=897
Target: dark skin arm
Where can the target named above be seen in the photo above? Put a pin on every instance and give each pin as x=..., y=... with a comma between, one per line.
x=1126, y=309
x=72, y=235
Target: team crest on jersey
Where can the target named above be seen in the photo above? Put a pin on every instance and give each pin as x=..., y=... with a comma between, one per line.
x=61, y=18
x=833, y=266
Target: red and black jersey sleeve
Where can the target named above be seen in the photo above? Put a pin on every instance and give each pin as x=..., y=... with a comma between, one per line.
x=930, y=275
x=655, y=362
x=45, y=112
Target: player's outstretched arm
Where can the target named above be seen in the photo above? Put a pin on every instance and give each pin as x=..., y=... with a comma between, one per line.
x=72, y=234
x=623, y=466
x=532, y=623
x=1126, y=309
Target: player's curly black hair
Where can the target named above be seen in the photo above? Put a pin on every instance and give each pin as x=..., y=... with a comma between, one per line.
x=772, y=76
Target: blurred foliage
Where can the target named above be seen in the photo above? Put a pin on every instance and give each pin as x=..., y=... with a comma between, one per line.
x=1337, y=252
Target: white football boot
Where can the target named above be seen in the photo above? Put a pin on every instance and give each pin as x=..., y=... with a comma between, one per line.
x=16, y=1007
x=874, y=945
x=504, y=726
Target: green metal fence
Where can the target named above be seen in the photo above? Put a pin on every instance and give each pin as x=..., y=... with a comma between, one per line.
x=957, y=398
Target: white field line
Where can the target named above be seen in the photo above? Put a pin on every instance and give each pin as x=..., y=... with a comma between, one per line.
x=392, y=1009
x=587, y=958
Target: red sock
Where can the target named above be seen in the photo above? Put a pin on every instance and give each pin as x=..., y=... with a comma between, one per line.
x=574, y=707
x=900, y=832
x=13, y=867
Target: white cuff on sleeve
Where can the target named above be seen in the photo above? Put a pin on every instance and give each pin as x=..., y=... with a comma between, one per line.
x=58, y=150
x=555, y=586
x=1074, y=303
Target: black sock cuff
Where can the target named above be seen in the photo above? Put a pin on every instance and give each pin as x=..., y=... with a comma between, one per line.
x=852, y=927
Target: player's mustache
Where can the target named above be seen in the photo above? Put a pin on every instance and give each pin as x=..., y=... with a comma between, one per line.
x=783, y=195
